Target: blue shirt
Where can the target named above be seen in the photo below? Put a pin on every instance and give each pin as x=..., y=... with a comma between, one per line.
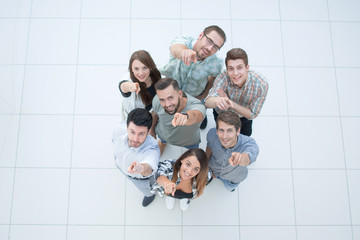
x=219, y=159
x=193, y=78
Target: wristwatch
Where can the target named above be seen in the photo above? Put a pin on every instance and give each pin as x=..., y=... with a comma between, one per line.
x=184, y=113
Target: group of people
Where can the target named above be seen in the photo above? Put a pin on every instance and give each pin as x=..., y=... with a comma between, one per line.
x=169, y=104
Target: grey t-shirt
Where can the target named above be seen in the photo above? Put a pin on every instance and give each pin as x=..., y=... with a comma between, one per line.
x=180, y=135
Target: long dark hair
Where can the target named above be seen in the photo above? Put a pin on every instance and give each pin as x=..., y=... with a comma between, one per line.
x=145, y=58
x=201, y=177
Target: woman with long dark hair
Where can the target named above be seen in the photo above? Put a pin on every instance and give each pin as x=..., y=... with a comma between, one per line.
x=137, y=86
x=184, y=178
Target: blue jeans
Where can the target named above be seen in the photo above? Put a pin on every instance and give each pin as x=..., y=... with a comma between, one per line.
x=230, y=186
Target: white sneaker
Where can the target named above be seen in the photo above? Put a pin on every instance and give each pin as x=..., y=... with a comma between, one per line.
x=184, y=204
x=170, y=202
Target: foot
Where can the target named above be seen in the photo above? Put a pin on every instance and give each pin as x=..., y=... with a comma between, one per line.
x=170, y=202
x=184, y=204
x=147, y=200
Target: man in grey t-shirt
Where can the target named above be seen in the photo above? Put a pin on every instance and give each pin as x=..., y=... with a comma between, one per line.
x=177, y=116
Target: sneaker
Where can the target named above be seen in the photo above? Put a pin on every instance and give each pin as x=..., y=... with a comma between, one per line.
x=147, y=200
x=184, y=204
x=170, y=202
x=203, y=123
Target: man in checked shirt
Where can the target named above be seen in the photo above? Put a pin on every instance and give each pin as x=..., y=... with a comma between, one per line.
x=238, y=89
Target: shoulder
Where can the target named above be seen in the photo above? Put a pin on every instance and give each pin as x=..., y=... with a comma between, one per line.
x=186, y=40
x=211, y=134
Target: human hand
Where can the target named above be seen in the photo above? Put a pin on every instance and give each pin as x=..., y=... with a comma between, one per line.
x=135, y=167
x=241, y=159
x=188, y=56
x=170, y=188
x=221, y=92
x=224, y=103
x=179, y=119
x=134, y=87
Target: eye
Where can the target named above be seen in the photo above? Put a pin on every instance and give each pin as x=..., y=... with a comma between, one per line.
x=197, y=169
x=188, y=164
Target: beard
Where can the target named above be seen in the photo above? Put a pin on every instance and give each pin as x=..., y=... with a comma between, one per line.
x=175, y=110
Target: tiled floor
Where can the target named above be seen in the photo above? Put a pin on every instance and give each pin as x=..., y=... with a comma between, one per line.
x=61, y=61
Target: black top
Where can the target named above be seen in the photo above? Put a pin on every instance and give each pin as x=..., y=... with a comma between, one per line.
x=180, y=194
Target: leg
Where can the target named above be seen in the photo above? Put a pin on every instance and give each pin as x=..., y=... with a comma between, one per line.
x=144, y=187
x=246, y=126
x=229, y=185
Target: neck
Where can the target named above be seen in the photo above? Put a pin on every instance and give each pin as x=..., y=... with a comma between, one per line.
x=183, y=102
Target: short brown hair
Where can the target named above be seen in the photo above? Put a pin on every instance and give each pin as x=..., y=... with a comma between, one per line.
x=229, y=118
x=217, y=29
x=237, y=53
x=165, y=82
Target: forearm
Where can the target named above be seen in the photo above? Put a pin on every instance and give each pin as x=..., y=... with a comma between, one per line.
x=208, y=86
x=147, y=169
x=244, y=111
x=195, y=116
x=154, y=123
x=211, y=102
x=163, y=180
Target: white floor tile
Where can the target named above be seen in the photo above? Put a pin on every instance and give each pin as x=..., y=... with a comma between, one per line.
x=321, y=197
x=92, y=147
x=56, y=8
x=16, y=8
x=316, y=143
x=300, y=10
x=324, y=232
x=152, y=233
x=162, y=9
x=95, y=232
x=354, y=195
x=317, y=92
x=154, y=214
x=96, y=197
x=269, y=10
x=171, y=152
x=6, y=190
x=260, y=203
x=210, y=10
x=20, y=232
x=151, y=30
x=13, y=41
x=104, y=41
x=275, y=103
x=225, y=213
x=106, y=9
x=46, y=194
x=268, y=232
x=307, y=44
x=4, y=231
x=344, y=10
x=356, y=232
x=346, y=38
x=211, y=232
x=9, y=127
x=97, y=90
x=11, y=89
x=266, y=132
x=347, y=85
x=351, y=132
x=194, y=27
x=44, y=141
x=262, y=51
x=53, y=41
x=59, y=84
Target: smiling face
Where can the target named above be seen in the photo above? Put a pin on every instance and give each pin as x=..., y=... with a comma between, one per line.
x=227, y=134
x=169, y=99
x=238, y=71
x=141, y=71
x=136, y=135
x=190, y=167
x=207, y=45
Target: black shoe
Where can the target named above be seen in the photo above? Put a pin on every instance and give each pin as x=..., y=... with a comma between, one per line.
x=204, y=123
x=147, y=200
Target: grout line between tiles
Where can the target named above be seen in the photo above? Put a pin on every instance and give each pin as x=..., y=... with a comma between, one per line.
x=288, y=121
x=19, y=123
x=73, y=124
x=340, y=119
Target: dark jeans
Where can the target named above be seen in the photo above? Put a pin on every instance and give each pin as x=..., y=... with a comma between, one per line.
x=246, y=124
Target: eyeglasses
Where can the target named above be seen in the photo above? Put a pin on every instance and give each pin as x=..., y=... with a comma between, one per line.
x=211, y=43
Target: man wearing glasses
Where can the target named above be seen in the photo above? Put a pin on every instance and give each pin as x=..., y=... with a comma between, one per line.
x=194, y=64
